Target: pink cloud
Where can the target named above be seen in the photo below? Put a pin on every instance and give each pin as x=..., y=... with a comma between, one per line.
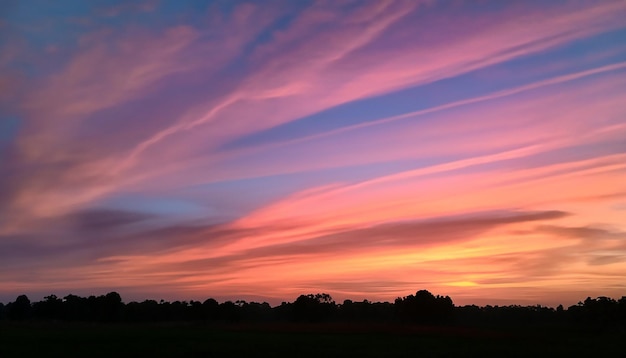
x=536, y=117
x=303, y=80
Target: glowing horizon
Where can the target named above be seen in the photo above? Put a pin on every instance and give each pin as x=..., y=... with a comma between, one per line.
x=263, y=150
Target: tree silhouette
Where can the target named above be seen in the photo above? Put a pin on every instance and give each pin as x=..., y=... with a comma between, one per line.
x=229, y=311
x=424, y=307
x=421, y=308
x=20, y=309
x=210, y=309
x=313, y=308
x=112, y=306
x=51, y=308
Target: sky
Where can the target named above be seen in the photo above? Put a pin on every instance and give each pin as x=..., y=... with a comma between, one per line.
x=260, y=150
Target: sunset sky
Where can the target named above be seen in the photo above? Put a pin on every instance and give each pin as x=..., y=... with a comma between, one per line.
x=262, y=150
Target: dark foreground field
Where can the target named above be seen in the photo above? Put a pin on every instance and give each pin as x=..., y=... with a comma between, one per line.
x=301, y=340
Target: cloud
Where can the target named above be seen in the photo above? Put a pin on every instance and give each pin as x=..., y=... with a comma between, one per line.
x=49, y=162
x=607, y=259
x=447, y=106
x=583, y=232
x=435, y=231
x=165, y=250
x=105, y=219
x=598, y=246
x=86, y=237
x=439, y=132
x=315, y=62
x=411, y=234
x=110, y=70
x=135, y=65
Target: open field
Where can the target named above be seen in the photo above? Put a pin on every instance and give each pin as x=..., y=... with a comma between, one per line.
x=301, y=340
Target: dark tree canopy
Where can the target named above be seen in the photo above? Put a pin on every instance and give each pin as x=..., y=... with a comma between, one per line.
x=20, y=309
x=422, y=308
x=314, y=308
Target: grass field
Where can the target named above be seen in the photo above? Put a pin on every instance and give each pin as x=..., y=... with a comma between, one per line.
x=289, y=340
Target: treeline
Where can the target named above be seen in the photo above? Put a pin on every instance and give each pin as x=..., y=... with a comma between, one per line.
x=421, y=308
